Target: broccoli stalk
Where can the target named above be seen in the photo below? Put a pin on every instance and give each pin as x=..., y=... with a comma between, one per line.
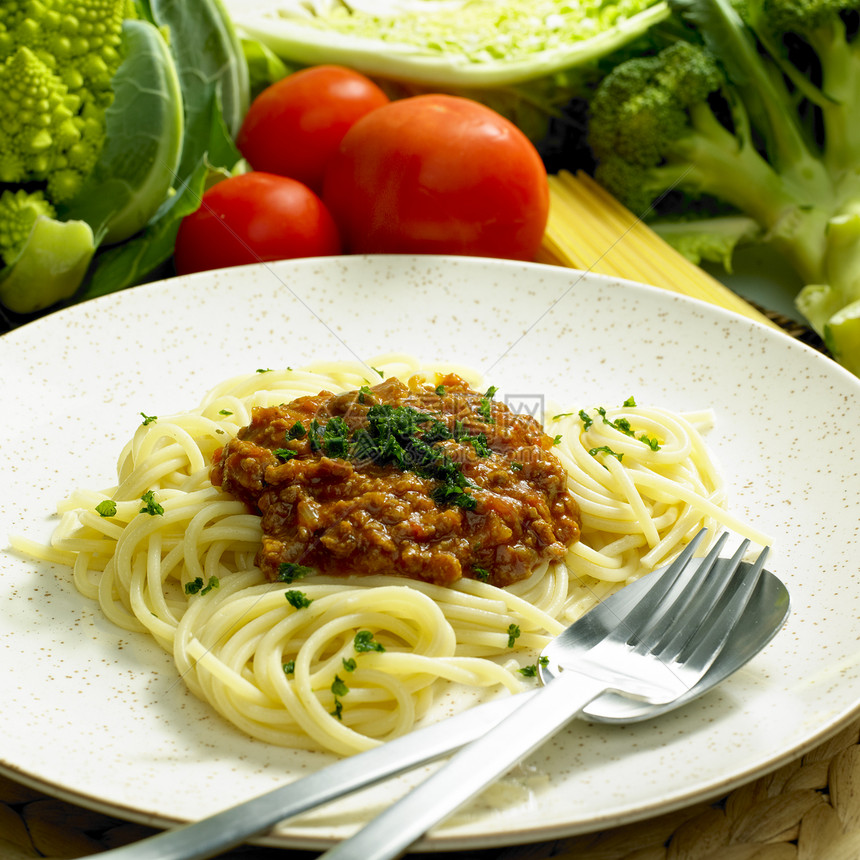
x=756, y=112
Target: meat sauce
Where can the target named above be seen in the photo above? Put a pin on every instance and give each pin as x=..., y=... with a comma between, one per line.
x=432, y=483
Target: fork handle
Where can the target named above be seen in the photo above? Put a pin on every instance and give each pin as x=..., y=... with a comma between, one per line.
x=391, y=833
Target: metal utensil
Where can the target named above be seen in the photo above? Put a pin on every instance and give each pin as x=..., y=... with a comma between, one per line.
x=656, y=650
x=759, y=621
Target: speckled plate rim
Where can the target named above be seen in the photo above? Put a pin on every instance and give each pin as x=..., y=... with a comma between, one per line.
x=786, y=418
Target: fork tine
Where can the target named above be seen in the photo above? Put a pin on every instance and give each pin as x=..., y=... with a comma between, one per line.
x=652, y=606
x=701, y=594
x=704, y=647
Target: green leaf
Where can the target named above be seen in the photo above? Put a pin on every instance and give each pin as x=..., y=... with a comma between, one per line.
x=143, y=141
x=209, y=57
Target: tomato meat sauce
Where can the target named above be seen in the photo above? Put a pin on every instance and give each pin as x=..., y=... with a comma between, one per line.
x=429, y=482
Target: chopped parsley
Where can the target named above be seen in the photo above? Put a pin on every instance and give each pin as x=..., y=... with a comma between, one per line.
x=298, y=599
x=586, y=419
x=290, y=667
x=289, y=572
x=513, y=634
x=148, y=419
x=338, y=687
x=485, y=409
x=224, y=412
x=348, y=664
x=517, y=466
x=363, y=393
x=107, y=508
x=481, y=573
x=440, y=390
x=264, y=370
x=196, y=586
x=563, y=415
x=150, y=506
x=297, y=431
x=532, y=670
x=405, y=438
x=629, y=403
x=605, y=449
x=338, y=709
x=284, y=454
x=365, y=642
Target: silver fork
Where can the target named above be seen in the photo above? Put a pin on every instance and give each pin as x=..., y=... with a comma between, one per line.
x=656, y=651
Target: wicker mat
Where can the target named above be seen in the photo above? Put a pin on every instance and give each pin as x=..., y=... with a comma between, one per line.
x=806, y=810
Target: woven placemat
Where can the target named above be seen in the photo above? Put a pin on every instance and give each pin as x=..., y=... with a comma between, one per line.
x=808, y=809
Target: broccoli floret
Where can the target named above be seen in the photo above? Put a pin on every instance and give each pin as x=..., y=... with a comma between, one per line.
x=757, y=110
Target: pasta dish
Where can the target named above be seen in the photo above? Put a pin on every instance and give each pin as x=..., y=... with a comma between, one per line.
x=212, y=538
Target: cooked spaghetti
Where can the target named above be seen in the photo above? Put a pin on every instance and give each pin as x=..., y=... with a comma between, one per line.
x=344, y=663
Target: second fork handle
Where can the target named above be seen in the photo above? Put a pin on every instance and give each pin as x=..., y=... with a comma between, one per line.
x=477, y=765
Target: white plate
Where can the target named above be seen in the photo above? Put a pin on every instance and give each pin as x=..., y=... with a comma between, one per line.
x=97, y=716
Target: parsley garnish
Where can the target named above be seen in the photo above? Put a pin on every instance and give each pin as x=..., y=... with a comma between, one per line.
x=531, y=671
x=338, y=709
x=107, y=508
x=440, y=390
x=365, y=642
x=284, y=454
x=264, y=370
x=363, y=392
x=605, y=449
x=289, y=667
x=289, y=572
x=556, y=440
x=196, y=586
x=481, y=573
x=629, y=403
x=150, y=507
x=298, y=599
x=148, y=419
x=513, y=634
x=485, y=409
x=348, y=665
x=297, y=431
x=517, y=466
x=586, y=419
x=224, y=412
x=652, y=443
x=338, y=687
x=563, y=415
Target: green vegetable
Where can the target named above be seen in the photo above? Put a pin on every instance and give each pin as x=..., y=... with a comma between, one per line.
x=524, y=58
x=114, y=119
x=364, y=642
x=756, y=110
x=298, y=599
x=107, y=508
x=196, y=586
x=513, y=634
x=150, y=505
x=290, y=572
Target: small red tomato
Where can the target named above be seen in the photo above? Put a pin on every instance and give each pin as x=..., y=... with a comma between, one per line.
x=253, y=218
x=294, y=126
x=438, y=174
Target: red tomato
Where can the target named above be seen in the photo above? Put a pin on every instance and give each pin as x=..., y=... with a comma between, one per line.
x=295, y=126
x=252, y=218
x=438, y=174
